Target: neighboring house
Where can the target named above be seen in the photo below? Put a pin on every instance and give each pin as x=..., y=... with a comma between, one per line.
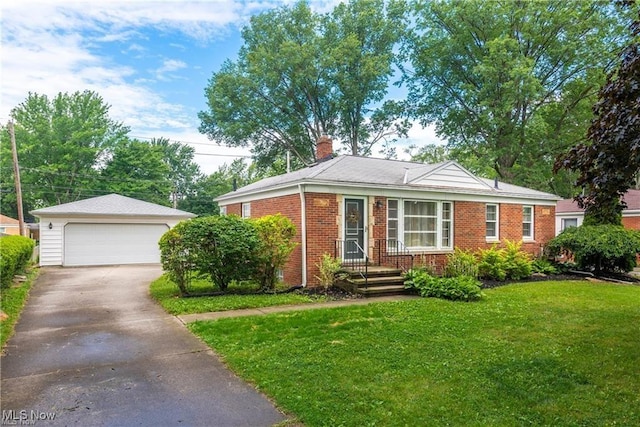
x=10, y=226
x=569, y=214
x=355, y=207
x=104, y=230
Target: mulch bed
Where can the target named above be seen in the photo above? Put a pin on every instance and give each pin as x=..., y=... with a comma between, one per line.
x=610, y=277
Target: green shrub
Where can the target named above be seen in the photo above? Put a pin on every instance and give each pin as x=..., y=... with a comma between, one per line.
x=517, y=263
x=461, y=263
x=598, y=247
x=224, y=248
x=15, y=253
x=462, y=288
x=328, y=268
x=275, y=234
x=491, y=264
x=508, y=263
x=176, y=257
x=543, y=266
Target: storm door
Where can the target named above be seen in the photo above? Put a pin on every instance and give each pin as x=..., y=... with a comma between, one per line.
x=355, y=228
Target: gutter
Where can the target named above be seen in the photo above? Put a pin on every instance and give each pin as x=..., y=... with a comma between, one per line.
x=303, y=233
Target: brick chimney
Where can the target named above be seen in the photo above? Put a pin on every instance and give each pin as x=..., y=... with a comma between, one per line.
x=324, y=148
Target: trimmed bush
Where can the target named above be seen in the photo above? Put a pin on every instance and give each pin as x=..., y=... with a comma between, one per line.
x=598, y=248
x=275, y=234
x=462, y=288
x=15, y=253
x=221, y=247
x=176, y=257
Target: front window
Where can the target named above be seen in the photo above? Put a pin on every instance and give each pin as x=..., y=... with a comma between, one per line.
x=223, y=210
x=527, y=222
x=246, y=210
x=491, y=221
x=420, y=224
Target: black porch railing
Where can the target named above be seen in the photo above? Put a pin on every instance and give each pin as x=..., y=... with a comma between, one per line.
x=393, y=253
x=353, y=258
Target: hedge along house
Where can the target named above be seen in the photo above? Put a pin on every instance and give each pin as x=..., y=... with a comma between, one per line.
x=105, y=230
x=388, y=212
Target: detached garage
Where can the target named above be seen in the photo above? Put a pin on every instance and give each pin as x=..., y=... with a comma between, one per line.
x=104, y=230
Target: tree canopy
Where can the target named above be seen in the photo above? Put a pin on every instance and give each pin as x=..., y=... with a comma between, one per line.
x=511, y=83
x=62, y=143
x=300, y=75
x=608, y=163
x=69, y=148
x=137, y=169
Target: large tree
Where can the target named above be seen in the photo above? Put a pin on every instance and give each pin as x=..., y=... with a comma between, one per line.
x=183, y=171
x=138, y=169
x=300, y=75
x=199, y=199
x=62, y=143
x=511, y=82
x=609, y=162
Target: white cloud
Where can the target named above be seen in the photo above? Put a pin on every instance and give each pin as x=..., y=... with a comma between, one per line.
x=50, y=47
x=168, y=66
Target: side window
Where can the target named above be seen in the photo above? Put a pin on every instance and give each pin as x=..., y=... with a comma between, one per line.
x=223, y=210
x=527, y=222
x=246, y=210
x=569, y=222
x=491, y=222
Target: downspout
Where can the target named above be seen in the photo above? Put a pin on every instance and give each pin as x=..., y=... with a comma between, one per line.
x=303, y=233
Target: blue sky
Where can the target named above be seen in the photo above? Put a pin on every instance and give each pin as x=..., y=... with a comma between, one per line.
x=149, y=60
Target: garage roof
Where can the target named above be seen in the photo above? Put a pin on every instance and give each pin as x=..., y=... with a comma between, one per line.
x=112, y=204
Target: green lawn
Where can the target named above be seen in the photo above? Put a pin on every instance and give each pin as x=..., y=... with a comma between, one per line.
x=546, y=353
x=12, y=300
x=166, y=293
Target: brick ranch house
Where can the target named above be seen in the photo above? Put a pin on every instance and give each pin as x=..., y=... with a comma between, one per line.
x=359, y=208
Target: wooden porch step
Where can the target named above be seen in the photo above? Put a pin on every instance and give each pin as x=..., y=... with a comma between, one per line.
x=378, y=291
x=378, y=280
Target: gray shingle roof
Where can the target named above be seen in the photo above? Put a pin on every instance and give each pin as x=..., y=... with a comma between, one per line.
x=373, y=172
x=112, y=204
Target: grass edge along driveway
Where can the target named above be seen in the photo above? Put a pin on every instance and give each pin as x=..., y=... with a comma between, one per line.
x=549, y=353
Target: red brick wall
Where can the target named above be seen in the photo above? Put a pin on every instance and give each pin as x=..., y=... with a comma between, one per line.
x=469, y=225
x=322, y=230
x=632, y=222
x=235, y=209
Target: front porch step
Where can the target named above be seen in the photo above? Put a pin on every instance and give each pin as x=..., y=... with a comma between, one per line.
x=379, y=291
x=379, y=281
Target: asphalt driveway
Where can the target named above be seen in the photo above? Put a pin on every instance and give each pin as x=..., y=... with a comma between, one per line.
x=92, y=348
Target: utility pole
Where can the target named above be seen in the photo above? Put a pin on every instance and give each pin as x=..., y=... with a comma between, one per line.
x=16, y=175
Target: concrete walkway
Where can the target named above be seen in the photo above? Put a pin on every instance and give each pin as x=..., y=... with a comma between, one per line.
x=92, y=349
x=188, y=318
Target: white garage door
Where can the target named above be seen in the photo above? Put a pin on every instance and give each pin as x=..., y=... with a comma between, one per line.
x=105, y=244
